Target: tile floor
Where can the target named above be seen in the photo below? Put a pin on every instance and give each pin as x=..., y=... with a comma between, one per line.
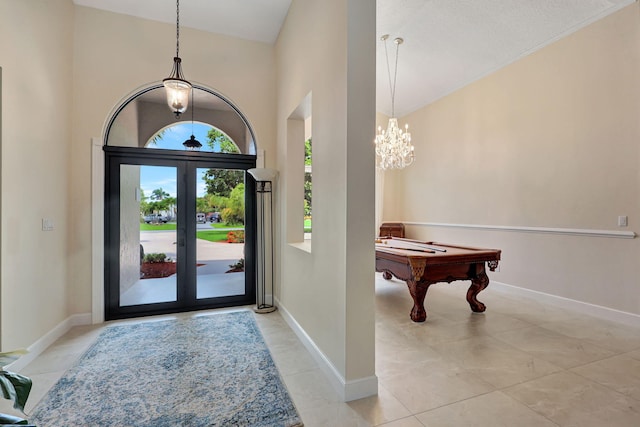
x=519, y=364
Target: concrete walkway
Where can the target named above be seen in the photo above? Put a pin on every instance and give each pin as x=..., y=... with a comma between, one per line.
x=211, y=277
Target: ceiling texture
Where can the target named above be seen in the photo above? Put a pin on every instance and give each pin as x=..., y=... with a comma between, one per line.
x=447, y=43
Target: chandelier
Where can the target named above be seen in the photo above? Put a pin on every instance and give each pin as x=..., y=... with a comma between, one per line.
x=393, y=146
x=176, y=86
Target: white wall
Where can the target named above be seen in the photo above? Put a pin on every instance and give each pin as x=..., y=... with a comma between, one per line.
x=36, y=58
x=68, y=68
x=327, y=49
x=550, y=141
x=108, y=65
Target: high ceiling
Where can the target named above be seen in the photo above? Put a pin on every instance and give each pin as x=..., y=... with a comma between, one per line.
x=447, y=43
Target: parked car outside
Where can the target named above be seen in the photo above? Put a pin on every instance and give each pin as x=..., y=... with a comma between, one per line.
x=157, y=218
x=200, y=218
x=215, y=217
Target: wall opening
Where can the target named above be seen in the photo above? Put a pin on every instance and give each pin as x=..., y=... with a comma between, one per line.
x=299, y=174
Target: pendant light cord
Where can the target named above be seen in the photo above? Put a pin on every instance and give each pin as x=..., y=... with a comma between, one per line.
x=177, y=28
x=392, y=86
x=192, y=108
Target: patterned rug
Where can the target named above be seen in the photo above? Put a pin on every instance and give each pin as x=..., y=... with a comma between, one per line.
x=210, y=370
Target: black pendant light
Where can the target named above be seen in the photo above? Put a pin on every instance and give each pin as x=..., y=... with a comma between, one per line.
x=177, y=87
x=192, y=144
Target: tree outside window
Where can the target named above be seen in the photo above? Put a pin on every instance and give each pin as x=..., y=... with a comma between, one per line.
x=307, y=186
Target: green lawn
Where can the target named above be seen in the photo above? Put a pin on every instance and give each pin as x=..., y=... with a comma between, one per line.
x=225, y=225
x=307, y=225
x=212, y=235
x=172, y=226
x=151, y=227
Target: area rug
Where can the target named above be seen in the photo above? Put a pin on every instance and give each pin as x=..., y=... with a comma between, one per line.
x=209, y=370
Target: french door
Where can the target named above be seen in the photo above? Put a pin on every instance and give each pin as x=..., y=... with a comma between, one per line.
x=173, y=242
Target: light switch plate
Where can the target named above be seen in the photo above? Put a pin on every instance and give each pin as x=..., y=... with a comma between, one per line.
x=47, y=224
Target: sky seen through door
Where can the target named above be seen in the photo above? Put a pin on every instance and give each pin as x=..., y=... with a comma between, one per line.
x=152, y=178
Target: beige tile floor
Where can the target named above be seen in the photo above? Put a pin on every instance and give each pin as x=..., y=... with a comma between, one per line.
x=519, y=364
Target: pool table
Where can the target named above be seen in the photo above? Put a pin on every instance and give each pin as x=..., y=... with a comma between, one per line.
x=421, y=264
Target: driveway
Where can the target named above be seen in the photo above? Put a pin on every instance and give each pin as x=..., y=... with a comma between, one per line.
x=216, y=255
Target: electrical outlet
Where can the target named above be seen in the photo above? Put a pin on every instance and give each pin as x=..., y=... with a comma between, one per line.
x=623, y=221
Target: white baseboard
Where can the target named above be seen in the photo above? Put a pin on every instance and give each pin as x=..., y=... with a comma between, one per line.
x=570, y=304
x=49, y=338
x=347, y=390
x=360, y=388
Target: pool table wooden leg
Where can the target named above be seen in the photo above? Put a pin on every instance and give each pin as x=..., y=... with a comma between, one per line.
x=478, y=283
x=418, y=293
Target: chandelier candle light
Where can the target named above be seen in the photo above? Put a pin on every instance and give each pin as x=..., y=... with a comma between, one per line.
x=176, y=85
x=393, y=146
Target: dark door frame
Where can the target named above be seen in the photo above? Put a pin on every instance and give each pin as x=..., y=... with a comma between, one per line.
x=186, y=163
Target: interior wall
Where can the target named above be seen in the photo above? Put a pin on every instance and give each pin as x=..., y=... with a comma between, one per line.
x=35, y=55
x=381, y=122
x=125, y=130
x=327, y=48
x=550, y=141
x=1, y=231
x=108, y=65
